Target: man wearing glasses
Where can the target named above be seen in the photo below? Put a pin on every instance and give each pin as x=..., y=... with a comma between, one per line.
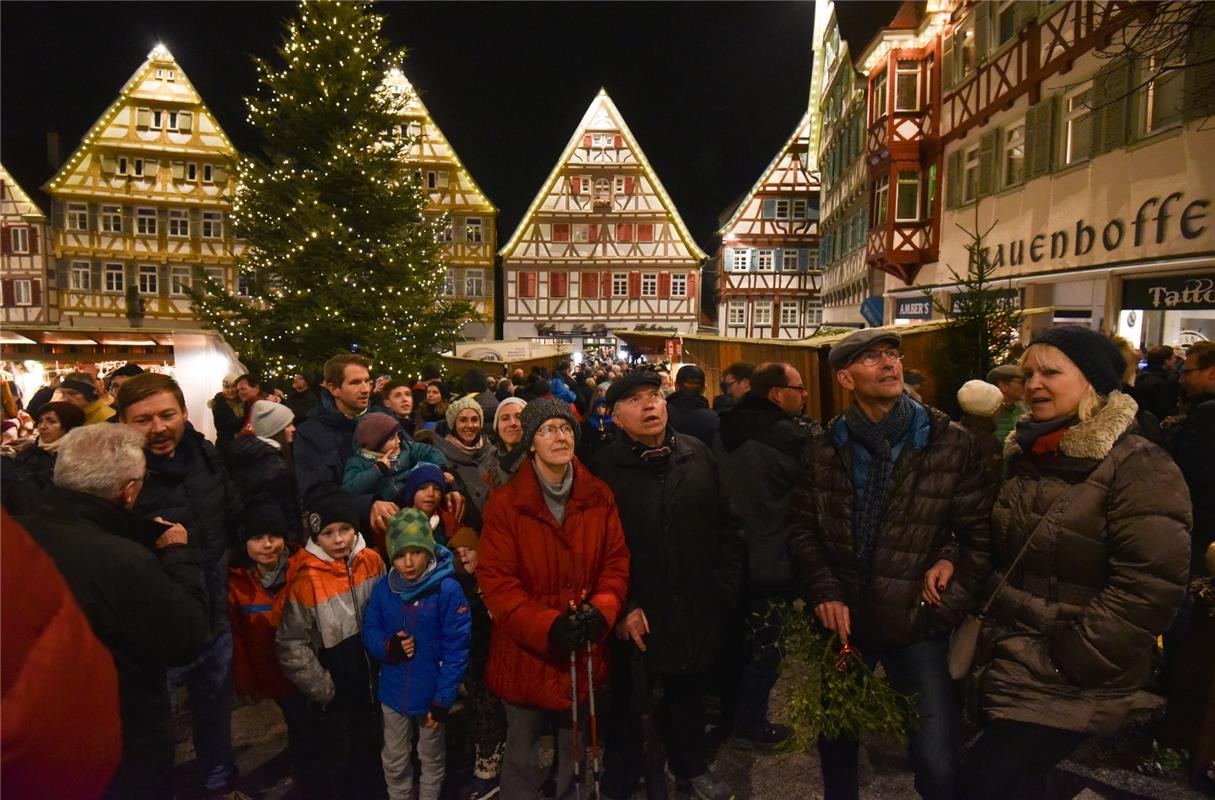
x=889, y=541
x=686, y=560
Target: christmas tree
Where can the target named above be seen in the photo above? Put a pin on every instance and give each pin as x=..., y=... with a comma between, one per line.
x=339, y=255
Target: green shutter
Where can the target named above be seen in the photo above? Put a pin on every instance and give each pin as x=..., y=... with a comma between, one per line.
x=982, y=31
x=1110, y=88
x=987, y=162
x=953, y=179
x=947, y=63
x=1040, y=138
x=1199, y=98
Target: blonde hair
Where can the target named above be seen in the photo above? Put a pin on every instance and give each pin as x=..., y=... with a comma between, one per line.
x=1047, y=356
x=1131, y=356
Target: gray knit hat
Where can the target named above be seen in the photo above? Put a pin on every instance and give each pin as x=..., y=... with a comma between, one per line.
x=463, y=404
x=541, y=411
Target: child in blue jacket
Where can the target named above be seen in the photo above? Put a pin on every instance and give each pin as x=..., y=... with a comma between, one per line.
x=383, y=457
x=418, y=625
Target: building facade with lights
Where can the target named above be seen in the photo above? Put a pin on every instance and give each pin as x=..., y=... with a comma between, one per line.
x=470, y=240
x=769, y=278
x=141, y=209
x=602, y=245
x=1075, y=140
x=28, y=286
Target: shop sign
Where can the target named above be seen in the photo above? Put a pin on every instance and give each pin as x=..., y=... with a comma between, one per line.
x=913, y=308
x=1178, y=292
x=1007, y=297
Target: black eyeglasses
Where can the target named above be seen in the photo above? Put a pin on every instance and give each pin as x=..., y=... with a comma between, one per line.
x=798, y=388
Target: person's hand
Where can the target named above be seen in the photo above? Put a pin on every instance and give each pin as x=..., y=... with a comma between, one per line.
x=835, y=617
x=400, y=647
x=565, y=634
x=381, y=512
x=273, y=397
x=436, y=716
x=175, y=534
x=592, y=622
x=457, y=505
x=936, y=580
x=634, y=627
x=451, y=479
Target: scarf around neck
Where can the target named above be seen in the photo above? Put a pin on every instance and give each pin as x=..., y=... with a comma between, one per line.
x=1041, y=437
x=879, y=439
x=654, y=456
x=556, y=495
x=49, y=447
x=471, y=451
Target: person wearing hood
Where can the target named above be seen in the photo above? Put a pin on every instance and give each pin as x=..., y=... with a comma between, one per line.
x=687, y=407
x=80, y=390
x=227, y=412
x=28, y=473
x=1091, y=540
x=319, y=643
x=467, y=452
x=597, y=430
x=418, y=627
x=980, y=401
x=261, y=465
x=758, y=449
x=187, y=483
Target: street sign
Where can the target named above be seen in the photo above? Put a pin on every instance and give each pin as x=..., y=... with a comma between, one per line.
x=872, y=310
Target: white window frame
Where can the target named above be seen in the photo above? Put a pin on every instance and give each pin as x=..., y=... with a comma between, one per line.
x=782, y=208
x=180, y=278
x=19, y=240
x=789, y=260
x=907, y=69
x=584, y=185
x=216, y=274
x=111, y=219
x=741, y=262
x=158, y=119
x=174, y=120
x=881, y=203
x=880, y=86
x=649, y=284
x=580, y=233
x=1003, y=7
x=679, y=284
x=970, y=174
x=474, y=283
x=620, y=284
x=212, y=225
x=179, y=223
x=208, y=173
x=1173, y=78
x=124, y=166
x=814, y=313
x=801, y=209
x=114, y=278
x=137, y=168
x=81, y=276
x=765, y=261
x=77, y=217
x=472, y=230
x=149, y=280
x=449, y=282
x=736, y=312
x=901, y=181
x=1077, y=111
x=1014, y=153
x=23, y=292
x=790, y=312
x=603, y=190
x=618, y=185
x=762, y=312
x=145, y=221
x=603, y=140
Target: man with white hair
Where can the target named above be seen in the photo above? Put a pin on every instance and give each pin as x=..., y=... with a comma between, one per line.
x=138, y=582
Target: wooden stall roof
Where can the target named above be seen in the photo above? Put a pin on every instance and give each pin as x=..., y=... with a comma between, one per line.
x=454, y=364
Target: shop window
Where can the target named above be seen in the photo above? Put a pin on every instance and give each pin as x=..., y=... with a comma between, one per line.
x=1077, y=125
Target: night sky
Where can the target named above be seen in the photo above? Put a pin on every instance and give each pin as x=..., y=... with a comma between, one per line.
x=710, y=90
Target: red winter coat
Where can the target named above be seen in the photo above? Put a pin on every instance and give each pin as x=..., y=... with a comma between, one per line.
x=254, y=613
x=529, y=571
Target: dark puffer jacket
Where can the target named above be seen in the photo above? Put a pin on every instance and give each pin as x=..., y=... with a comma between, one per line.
x=1069, y=638
x=686, y=546
x=690, y=414
x=759, y=451
x=320, y=449
x=25, y=477
x=260, y=470
x=938, y=508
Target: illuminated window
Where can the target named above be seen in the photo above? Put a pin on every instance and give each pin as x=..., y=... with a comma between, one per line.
x=737, y=314
x=907, y=203
x=1078, y=125
x=19, y=239
x=878, y=109
x=472, y=230
x=1162, y=96
x=77, y=217
x=881, y=193
x=907, y=86
x=23, y=293
x=765, y=260
x=82, y=277
x=474, y=283
x=970, y=174
x=111, y=219
x=179, y=222
x=1014, y=154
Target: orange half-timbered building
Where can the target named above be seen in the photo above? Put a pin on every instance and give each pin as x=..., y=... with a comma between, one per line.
x=28, y=287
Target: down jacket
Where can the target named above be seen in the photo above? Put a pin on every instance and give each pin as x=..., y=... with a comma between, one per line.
x=319, y=642
x=254, y=610
x=531, y=568
x=436, y=615
x=938, y=507
x=1069, y=638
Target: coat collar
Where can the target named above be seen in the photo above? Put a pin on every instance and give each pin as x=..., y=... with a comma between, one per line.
x=104, y=513
x=529, y=497
x=1093, y=438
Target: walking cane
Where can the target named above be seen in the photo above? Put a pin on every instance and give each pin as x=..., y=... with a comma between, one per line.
x=575, y=756
x=593, y=722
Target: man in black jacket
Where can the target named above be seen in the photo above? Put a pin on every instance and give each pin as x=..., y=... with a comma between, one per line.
x=1193, y=442
x=689, y=411
x=759, y=449
x=187, y=484
x=1156, y=388
x=138, y=582
x=686, y=559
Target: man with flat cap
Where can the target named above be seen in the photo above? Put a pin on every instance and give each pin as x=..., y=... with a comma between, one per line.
x=1011, y=383
x=686, y=552
x=889, y=542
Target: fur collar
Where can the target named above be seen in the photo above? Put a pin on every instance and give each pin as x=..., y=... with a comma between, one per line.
x=1095, y=437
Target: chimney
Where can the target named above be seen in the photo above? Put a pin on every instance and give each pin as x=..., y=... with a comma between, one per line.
x=52, y=147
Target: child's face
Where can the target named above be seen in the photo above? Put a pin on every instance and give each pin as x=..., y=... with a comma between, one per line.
x=392, y=446
x=337, y=539
x=427, y=498
x=412, y=563
x=265, y=549
x=468, y=557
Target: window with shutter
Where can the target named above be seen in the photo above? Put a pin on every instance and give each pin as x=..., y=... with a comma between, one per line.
x=628, y=184
x=620, y=284
x=634, y=285
x=1111, y=86
x=109, y=164
x=947, y=79
x=953, y=179
x=645, y=232
x=1077, y=125
x=221, y=175
x=143, y=118
x=664, y=285
x=982, y=31
x=558, y=284
x=691, y=284
x=1040, y=138
x=987, y=162
x=769, y=209
x=7, y=295
x=586, y=140
x=527, y=284
x=185, y=121
x=1158, y=105
x=1199, y=91
x=624, y=232
x=588, y=286
x=679, y=285
x=561, y=231
x=36, y=289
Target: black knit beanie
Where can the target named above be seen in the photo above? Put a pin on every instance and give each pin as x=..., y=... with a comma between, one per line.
x=541, y=411
x=1094, y=354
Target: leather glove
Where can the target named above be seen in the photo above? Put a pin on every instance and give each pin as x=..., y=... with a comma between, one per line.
x=591, y=621
x=565, y=634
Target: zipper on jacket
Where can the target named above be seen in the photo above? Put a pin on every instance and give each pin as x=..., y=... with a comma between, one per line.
x=358, y=616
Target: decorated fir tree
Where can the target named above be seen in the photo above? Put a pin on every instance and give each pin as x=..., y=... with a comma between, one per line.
x=339, y=256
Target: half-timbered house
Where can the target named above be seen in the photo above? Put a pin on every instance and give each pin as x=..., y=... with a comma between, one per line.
x=602, y=245
x=29, y=294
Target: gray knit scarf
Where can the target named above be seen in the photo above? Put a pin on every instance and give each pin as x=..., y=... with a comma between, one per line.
x=879, y=438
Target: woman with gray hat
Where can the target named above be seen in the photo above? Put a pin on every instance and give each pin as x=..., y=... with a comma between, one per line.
x=1090, y=545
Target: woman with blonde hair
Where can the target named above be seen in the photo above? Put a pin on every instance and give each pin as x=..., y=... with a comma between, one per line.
x=1090, y=547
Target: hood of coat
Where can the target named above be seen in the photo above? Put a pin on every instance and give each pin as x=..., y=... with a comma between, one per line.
x=313, y=556
x=108, y=515
x=750, y=417
x=1093, y=438
x=245, y=450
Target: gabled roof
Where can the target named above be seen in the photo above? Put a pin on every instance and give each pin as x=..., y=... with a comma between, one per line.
x=19, y=195
x=136, y=88
x=602, y=104
x=802, y=129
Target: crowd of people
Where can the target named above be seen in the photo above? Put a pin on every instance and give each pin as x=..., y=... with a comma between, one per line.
x=593, y=554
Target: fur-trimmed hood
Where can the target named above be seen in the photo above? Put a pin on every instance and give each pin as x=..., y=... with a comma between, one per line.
x=1092, y=438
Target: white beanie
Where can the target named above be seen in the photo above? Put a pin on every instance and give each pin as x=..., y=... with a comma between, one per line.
x=980, y=398
x=270, y=418
x=510, y=401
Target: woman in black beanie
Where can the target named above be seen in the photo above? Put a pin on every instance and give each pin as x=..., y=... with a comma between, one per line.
x=1090, y=547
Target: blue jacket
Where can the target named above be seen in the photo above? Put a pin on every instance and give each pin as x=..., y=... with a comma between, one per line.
x=919, y=433
x=435, y=613
x=561, y=389
x=362, y=476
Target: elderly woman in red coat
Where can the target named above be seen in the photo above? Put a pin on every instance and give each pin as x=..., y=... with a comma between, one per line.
x=551, y=538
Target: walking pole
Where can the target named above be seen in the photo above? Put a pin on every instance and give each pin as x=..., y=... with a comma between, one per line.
x=593, y=721
x=575, y=756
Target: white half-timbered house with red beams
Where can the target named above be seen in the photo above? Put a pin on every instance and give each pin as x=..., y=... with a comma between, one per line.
x=28, y=293
x=770, y=280
x=602, y=246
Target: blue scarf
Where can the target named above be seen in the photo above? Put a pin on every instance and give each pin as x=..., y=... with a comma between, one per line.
x=879, y=438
